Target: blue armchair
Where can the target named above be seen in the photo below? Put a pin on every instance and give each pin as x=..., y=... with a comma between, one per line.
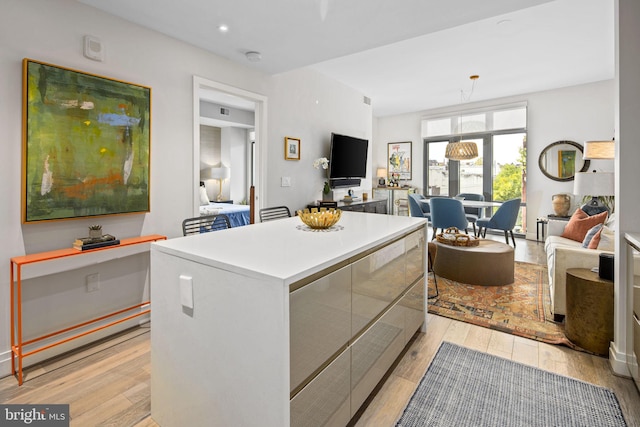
x=445, y=213
x=472, y=213
x=417, y=208
x=504, y=219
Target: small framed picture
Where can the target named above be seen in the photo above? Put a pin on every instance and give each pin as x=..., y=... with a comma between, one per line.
x=291, y=148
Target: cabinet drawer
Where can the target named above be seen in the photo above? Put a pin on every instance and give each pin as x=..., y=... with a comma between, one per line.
x=325, y=400
x=413, y=305
x=415, y=247
x=373, y=353
x=319, y=323
x=378, y=279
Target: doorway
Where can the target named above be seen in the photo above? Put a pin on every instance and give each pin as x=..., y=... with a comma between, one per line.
x=203, y=89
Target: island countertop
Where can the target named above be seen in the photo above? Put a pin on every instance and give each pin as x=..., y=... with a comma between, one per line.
x=286, y=250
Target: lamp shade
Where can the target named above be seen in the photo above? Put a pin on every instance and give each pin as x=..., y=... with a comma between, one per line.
x=222, y=172
x=599, y=150
x=594, y=184
x=381, y=173
x=463, y=150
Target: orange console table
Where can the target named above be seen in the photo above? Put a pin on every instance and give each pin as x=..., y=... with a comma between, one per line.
x=17, y=344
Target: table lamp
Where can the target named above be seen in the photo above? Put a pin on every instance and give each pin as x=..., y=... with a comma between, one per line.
x=381, y=173
x=594, y=184
x=220, y=173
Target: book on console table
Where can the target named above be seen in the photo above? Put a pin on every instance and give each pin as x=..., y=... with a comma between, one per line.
x=85, y=243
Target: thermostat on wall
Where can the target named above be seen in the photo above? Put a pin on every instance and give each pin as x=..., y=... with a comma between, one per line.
x=93, y=48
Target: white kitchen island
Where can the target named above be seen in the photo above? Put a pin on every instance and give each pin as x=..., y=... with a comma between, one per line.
x=275, y=324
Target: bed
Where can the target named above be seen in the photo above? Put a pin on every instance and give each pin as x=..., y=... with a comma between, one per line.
x=238, y=214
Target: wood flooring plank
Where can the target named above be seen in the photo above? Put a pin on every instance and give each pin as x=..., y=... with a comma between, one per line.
x=501, y=344
x=457, y=333
x=553, y=359
x=146, y=422
x=387, y=406
x=417, y=358
x=98, y=415
x=478, y=338
x=525, y=351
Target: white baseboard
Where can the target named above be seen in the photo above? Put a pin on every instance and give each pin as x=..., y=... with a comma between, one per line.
x=618, y=361
x=5, y=364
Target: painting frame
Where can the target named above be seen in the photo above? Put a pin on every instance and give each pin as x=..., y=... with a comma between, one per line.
x=291, y=148
x=399, y=159
x=86, y=144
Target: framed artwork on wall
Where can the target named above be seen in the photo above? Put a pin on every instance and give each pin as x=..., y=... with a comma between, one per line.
x=291, y=148
x=399, y=159
x=86, y=144
x=567, y=163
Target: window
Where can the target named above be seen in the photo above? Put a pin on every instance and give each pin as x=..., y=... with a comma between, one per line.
x=499, y=171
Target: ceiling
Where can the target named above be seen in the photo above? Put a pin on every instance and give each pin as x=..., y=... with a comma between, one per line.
x=406, y=55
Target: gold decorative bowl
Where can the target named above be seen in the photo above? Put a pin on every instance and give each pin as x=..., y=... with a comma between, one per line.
x=323, y=218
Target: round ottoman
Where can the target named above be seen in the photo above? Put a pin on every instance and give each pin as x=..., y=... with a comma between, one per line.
x=491, y=263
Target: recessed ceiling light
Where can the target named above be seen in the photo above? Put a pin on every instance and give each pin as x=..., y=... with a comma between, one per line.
x=253, y=56
x=223, y=28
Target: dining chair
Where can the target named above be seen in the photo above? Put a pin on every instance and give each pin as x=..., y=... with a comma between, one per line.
x=445, y=213
x=417, y=208
x=472, y=213
x=504, y=219
x=205, y=224
x=276, y=212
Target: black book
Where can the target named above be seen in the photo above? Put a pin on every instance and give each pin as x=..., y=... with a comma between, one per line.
x=96, y=245
x=91, y=240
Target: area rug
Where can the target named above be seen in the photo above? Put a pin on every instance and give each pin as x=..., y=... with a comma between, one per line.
x=464, y=387
x=522, y=308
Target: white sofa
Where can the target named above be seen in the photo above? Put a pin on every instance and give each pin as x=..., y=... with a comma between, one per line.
x=563, y=253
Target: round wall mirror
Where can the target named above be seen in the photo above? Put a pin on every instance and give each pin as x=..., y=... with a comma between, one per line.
x=561, y=160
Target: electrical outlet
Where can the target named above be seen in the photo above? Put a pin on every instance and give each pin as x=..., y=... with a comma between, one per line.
x=285, y=181
x=93, y=282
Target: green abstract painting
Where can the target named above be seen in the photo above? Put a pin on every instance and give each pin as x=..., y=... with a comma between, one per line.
x=86, y=144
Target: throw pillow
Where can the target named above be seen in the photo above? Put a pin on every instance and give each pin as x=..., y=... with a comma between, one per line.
x=204, y=199
x=593, y=244
x=580, y=223
x=607, y=237
x=590, y=235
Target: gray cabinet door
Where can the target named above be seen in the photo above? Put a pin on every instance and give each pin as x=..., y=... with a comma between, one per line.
x=319, y=323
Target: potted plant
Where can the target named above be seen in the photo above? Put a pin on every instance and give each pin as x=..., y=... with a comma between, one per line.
x=95, y=231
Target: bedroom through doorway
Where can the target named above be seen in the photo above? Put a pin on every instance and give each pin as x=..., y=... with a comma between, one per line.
x=228, y=125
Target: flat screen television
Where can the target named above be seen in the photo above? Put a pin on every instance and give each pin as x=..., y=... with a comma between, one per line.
x=347, y=160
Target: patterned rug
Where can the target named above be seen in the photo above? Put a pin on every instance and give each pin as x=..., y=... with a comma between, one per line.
x=522, y=308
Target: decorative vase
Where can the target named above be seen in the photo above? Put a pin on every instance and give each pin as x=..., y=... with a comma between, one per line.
x=561, y=204
x=327, y=195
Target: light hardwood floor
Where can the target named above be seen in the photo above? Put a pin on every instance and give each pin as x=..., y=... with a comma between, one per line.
x=108, y=383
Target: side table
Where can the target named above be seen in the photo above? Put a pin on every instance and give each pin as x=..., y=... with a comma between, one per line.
x=589, y=319
x=541, y=223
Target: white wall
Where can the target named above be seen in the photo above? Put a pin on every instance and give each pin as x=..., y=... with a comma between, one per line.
x=52, y=31
x=308, y=105
x=577, y=113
